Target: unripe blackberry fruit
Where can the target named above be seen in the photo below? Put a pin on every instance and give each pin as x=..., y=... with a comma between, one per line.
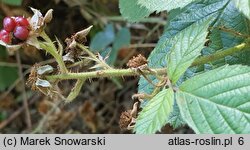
x=3, y=32
x=21, y=21
x=6, y=39
x=21, y=32
x=5, y=36
x=9, y=24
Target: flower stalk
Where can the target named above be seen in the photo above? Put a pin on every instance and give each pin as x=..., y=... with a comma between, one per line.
x=220, y=54
x=93, y=56
x=49, y=47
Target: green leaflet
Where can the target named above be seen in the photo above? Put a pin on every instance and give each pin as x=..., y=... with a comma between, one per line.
x=186, y=46
x=225, y=13
x=102, y=39
x=122, y=39
x=233, y=20
x=175, y=118
x=136, y=10
x=191, y=14
x=160, y=5
x=243, y=6
x=155, y=114
x=132, y=11
x=217, y=101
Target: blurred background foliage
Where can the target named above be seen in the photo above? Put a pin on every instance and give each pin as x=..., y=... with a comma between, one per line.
x=97, y=109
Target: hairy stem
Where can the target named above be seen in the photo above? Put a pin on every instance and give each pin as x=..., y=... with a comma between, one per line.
x=93, y=56
x=49, y=47
x=57, y=57
x=219, y=54
x=110, y=72
x=104, y=73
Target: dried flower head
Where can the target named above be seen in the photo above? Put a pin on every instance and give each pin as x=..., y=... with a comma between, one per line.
x=36, y=79
x=125, y=119
x=128, y=118
x=33, y=77
x=72, y=52
x=79, y=37
x=137, y=61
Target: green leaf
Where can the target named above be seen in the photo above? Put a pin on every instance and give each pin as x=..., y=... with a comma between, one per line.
x=156, y=113
x=217, y=101
x=132, y=11
x=243, y=6
x=234, y=21
x=175, y=118
x=160, y=5
x=225, y=13
x=186, y=46
x=191, y=14
x=122, y=39
x=106, y=52
x=102, y=39
x=135, y=10
x=7, y=76
x=13, y=2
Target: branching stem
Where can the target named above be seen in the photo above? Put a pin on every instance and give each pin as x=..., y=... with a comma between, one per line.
x=220, y=54
x=49, y=47
x=110, y=72
x=104, y=73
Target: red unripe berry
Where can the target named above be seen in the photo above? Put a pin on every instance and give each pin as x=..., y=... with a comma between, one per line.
x=21, y=32
x=21, y=21
x=6, y=39
x=9, y=24
x=5, y=36
x=3, y=32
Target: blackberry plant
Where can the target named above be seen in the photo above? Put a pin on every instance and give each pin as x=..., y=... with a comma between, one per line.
x=198, y=73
